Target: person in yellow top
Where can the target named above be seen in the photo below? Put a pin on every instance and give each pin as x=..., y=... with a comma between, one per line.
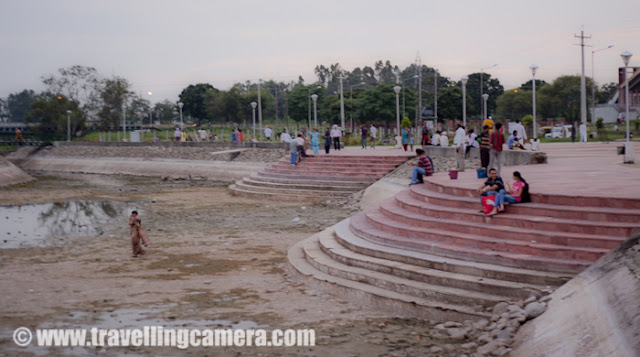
x=488, y=122
x=18, y=136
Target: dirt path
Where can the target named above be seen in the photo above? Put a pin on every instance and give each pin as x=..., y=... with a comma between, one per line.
x=215, y=261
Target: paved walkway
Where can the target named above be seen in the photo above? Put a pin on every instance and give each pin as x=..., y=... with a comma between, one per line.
x=581, y=169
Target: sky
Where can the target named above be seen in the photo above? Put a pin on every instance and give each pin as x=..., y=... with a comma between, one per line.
x=163, y=46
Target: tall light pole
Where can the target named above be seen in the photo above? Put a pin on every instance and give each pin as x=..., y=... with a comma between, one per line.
x=309, y=101
x=464, y=80
x=68, y=125
x=315, y=110
x=485, y=97
x=341, y=103
x=150, y=111
x=628, y=145
x=593, y=88
x=404, y=114
x=351, y=100
x=534, y=68
x=180, y=105
x=260, y=109
x=397, y=90
x=124, y=120
x=483, y=110
x=253, y=109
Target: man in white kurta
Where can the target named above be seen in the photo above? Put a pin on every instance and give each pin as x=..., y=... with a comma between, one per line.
x=458, y=141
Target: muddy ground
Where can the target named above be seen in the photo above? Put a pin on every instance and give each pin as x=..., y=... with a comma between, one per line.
x=215, y=261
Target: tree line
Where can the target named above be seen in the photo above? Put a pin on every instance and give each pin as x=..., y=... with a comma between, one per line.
x=368, y=97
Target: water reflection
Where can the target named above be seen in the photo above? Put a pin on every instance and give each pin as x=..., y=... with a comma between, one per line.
x=35, y=224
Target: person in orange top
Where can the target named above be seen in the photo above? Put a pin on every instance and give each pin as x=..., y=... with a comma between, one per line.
x=488, y=122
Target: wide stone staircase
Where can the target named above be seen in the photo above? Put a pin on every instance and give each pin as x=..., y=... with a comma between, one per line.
x=429, y=252
x=317, y=178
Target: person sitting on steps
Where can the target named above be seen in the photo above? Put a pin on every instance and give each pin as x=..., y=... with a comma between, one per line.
x=492, y=186
x=424, y=167
x=519, y=193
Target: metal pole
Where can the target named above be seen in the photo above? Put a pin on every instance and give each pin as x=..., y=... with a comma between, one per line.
x=420, y=93
x=583, y=90
x=68, y=126
x=482, y=111
x=485, y=108
x=124, y=122
x=626, y=98
x=398, y=113
x=254, y=121
x=535, y=134
x=309, y=102
x=404, y=114
x=341, y=103
x=260, y=109
x=435, y=95
x=315, y=114
x=464, y=105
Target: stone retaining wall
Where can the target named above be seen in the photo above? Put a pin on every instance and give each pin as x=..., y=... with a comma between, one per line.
x=191, y=144
x=509, y=157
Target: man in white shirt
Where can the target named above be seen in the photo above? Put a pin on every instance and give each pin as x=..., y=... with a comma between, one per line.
x=458, y=141
x=267, y=133
x=203, y=135
x=583, y=133
x=522, y=134
x=372, y=132
x=336, y=133
x=435, y=139
x=285, y=137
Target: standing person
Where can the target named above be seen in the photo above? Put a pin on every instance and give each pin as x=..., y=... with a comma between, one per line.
x=444, y=139
x=471, y=142
x=405, y=138
x=327, y=141
x=300, y=146
x=424, y=167
x=203, y=135
x=364, y=134
x=521, y=136
x=583, y=133
x=573, y=133
x=425, y=134
x=497, y=141
x=138, y=237
x=18, y=138
x=240, y=135
x=488, y=122
x=315, y=141
x=293, y=149
x=373, y=131
x=177, y=135
x=285, y=137
x=267, y=133
x=411, y=141
x=183, y=136
x=458, y=141
x=336, y=133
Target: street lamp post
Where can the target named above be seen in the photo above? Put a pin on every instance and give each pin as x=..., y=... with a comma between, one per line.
x=482, y=88
x=485, y=97
x=260, y=109
x=315, y=110
x=341, y=103
x=593, y=90
x=351, y=100
x=534, y=68
x=397, y=90
x=124, y=121
x=68, y=125
x=464, y=80
x=253, y=109
x=180, y=105
x=309, y=101
x=628, y=145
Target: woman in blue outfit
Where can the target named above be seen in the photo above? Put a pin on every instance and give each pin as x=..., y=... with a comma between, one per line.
x=405, y=138
x=315, y=142
x=327, y=140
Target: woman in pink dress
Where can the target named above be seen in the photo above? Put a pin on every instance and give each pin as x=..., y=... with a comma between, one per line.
x=517, y=194
x=138, y=237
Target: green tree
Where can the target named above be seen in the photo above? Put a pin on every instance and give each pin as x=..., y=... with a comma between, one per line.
x=78, y=83
x=450, y=103
x=527, y=120
x=49, y=112
x=406, y=122
x=18, y=104
x=491, y=86
x=561, y=98
x=376, y=105
x=114, y=93
x=193, y=98
x=514, y=104
x=166, y=111
x=606, y=92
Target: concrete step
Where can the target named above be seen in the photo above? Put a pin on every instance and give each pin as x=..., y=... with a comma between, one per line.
x=328, y=169
x=392, y=208
x=325, y=164
x=329, y=194
x=422, y=192
x=283, y=181
x=283, y=197
x=293, y=170
x=358, y=244
x=300, y=185
x=317, y=177
x=478, y=241
x=339, y=253
x=377, y=158
x=615, y=229
x=398, y=303
x=321, y=261
x=576, y=201
x=361, y=225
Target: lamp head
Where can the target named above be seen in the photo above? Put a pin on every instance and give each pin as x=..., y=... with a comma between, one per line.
x=464, y=80
x=254, y=105
x=485, y=96
x=397, y=89
x=533, y=68
x=68, y=111
x=180, y=105
x=314, y=97
x=626, y=56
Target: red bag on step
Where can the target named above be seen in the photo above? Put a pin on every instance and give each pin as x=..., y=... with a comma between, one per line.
x=487, y=203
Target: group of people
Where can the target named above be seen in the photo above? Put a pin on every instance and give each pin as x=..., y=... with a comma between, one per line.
x=370, y=133
x=517, y=192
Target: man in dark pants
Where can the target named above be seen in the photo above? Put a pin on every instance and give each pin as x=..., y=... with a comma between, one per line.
x=485, y=147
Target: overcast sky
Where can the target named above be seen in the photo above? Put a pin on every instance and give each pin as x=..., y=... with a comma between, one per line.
x=163, y=46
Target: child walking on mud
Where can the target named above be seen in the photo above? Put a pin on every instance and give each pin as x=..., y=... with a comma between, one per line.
x=138, y=237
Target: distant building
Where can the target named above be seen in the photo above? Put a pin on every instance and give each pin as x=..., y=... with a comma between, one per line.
x=616, y=105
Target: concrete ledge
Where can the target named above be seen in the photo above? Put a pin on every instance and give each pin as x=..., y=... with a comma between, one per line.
x=509, y=157
x=228, y=145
